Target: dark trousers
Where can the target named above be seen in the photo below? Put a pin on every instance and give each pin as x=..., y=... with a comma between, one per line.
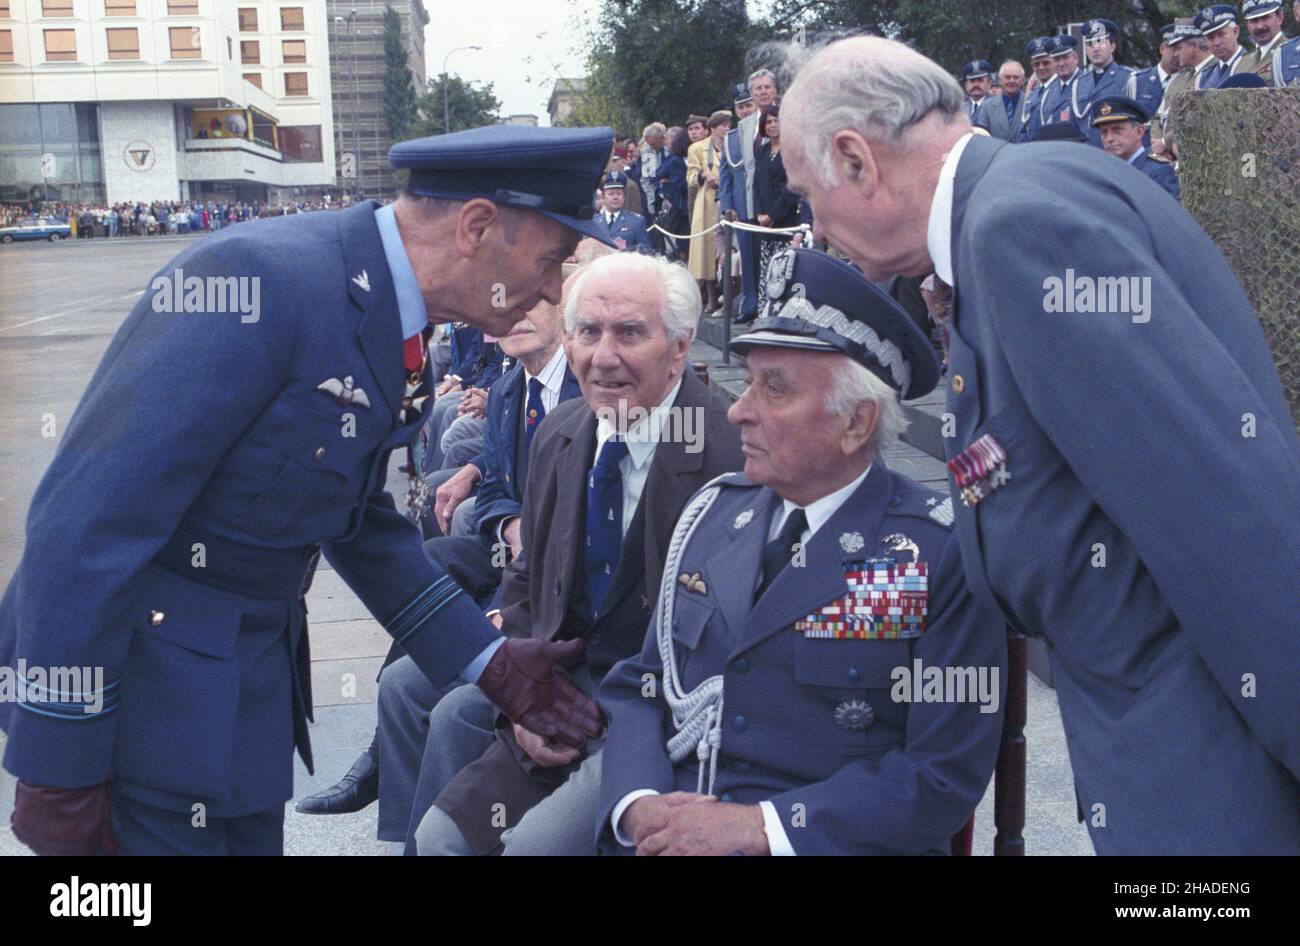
x=141, y=829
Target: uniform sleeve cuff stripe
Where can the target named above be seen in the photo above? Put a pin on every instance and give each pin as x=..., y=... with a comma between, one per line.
x=72, y=714
x=432, y=610
x=397, y=619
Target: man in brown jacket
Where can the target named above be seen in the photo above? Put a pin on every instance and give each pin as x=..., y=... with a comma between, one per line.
x=608, y=477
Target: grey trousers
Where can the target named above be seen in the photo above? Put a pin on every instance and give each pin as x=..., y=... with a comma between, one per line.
x=409, y=749
x=564, y=823
x=462, y=441
x=462, y=520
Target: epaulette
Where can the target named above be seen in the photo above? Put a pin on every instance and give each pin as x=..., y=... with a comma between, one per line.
x=924, y=504
x=1160, y=158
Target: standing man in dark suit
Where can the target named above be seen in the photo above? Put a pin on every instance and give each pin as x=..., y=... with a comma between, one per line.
x=608, y=479
x=216, y=454
x=1176, y=692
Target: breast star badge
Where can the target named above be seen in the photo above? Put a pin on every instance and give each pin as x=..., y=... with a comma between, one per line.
x=854, y=715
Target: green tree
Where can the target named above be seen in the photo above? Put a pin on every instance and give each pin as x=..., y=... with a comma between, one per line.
x=468, y=107
x=399, y=85
x=661, y=60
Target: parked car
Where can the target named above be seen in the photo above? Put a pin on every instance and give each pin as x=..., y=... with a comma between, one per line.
x=36, y=228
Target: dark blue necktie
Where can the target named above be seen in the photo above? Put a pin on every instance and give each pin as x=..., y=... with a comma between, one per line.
x=778, y=553
x=604, y=522
x=534, y=411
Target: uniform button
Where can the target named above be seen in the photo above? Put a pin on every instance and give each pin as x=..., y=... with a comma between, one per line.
x=743, y=767
x=557, y=587
x=741, y=665
x=895, y=501
x=853, y=674
x=958, y=384
x=156, y=617
x=320, y=453
x=739, y=723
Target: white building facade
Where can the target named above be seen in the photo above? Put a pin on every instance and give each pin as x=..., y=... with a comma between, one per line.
x=114, y=101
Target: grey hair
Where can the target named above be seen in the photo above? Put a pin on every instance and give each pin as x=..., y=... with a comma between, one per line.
x=877, y=87
x=679, y=305
x=654, y=128
x=760, y=74
x=852, y=385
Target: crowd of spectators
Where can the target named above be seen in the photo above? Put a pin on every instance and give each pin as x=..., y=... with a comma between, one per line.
x=155, y=218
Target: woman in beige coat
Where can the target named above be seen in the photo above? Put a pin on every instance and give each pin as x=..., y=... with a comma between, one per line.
x=702, y=171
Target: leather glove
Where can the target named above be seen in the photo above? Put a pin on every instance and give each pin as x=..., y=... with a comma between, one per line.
x=63, y=822
x=521, y=680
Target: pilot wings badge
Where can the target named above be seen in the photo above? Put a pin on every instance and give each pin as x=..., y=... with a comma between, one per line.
x=345, y=392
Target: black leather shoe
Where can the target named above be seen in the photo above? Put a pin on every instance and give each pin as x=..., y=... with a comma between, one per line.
x=353, y=792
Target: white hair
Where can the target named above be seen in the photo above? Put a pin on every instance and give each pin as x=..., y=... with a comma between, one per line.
x=877, y=87
x=760, y=74
x=679, y=304
x=853, y=385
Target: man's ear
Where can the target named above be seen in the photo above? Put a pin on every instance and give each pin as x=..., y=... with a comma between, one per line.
x=860, y=428
x=474, y=224
x=855, y=161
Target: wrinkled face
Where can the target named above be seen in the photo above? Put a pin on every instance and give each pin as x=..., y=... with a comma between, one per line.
x=1012, y=77
x=613, y=198
x=619, y=348
x=1064, y=66
x=1223, y=41
x=537, y=333
x=745, y=109
x=763, y=89
x=512, y=276
x=1100, y=51
x=977, y=88
x=1264, y=28
x=1120, y=138
x=1043, y=69
x=696, y=131
x=787, y=434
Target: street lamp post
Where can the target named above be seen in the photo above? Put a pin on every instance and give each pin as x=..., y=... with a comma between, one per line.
x=350, y=20
x=446, y=110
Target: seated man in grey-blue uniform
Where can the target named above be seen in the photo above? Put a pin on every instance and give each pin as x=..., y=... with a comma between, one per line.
x=240, y=425
x=779, y=704
x=1121, y=122
x=1124, y=468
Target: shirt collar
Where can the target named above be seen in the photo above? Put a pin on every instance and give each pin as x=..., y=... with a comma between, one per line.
x=938, y=235
x=410, y=301
x=1137, y=154
x=1206, y=62
x=1161, y=74
x=820, y=511
x=552, y=373
x=643, y=437
x=1268, y=48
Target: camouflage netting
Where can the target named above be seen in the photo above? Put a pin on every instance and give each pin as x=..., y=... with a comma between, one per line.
x=1240, y=175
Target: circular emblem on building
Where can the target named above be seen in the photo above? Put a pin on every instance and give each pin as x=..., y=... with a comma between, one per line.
x=139, y=156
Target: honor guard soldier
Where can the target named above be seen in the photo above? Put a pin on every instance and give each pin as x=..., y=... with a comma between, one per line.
x=1039, y=51
x=1218, y=24
x=1286, y=62
x=1194, y=58
x=214, y=457
x=1264, y=23
x=1147, y=86
x=1121, y=122
x=620, y=227
x=1057, y=98
x=802, y=603
x=1104, y=77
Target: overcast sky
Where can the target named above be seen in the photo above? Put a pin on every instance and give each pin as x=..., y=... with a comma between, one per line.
x=525, y=44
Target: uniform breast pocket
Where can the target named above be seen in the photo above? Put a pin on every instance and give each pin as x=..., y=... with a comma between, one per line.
x=848, y=682
x=690, y=619
x=180, y=689
x=320, y=457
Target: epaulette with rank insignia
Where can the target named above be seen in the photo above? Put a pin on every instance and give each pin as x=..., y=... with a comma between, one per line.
x=925, y=504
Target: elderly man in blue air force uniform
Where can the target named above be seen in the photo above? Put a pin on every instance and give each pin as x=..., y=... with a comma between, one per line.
x=187, y=533
x=1124, y=469
x=817, y=678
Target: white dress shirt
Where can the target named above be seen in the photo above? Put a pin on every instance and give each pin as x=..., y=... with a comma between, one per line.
x=641, y=442
x=938, y=234
x=552, y=378
x=818, y=513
